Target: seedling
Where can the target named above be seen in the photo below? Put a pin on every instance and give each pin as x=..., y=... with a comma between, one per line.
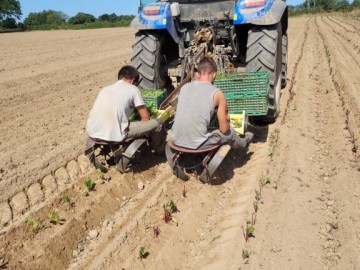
x=66, y=199
x=173, y=207
x=169, y=209
x=100, y=174
x=143, y=253
x=157, y=231
x=34, y=225
x=257, y=195
x=248, y=231
x=271, y=150
x=54, y=217
x=89, y=184
x=167, y=214
x=334, y=225
x=245, y=254
x=264, y=181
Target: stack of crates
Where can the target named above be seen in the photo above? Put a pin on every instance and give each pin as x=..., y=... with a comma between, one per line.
x=245, y=91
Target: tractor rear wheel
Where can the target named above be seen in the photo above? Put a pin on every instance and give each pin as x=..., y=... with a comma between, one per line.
x=149, y=60
x=284, y=60
x=264, y=46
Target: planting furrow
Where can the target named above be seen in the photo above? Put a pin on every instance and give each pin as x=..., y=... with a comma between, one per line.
x=201, y=220
x=344, y=25
x=294, y=73
x=349, y=21
x=298, y=227
x=345, y=35
x=348, y=93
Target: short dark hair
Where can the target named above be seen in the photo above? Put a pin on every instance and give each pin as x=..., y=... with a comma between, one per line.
x=207, y=65
x=128, y=72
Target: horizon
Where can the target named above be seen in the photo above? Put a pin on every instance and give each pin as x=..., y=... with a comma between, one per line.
x=96, y=7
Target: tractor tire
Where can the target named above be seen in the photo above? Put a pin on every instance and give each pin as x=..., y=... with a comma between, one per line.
x=284, y=60
x=264, y=46
x=149, y=60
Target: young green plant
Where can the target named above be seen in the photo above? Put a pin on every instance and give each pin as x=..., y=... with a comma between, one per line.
x=54, y=217
x=257, y=195
x=245, y=254
x=169, y=209
x=143, y=253
x=34, y=225
x=248, y=231
x=66, y=199
x=89, y=184
x=264, y=181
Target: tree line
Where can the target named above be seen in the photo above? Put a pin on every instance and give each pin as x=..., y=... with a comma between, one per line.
x=316, y=6
x=10, y=12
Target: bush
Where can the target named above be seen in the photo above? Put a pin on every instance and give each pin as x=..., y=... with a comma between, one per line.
x=82, y=18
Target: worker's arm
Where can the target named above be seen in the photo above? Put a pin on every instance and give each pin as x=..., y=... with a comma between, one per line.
x=221, y=104
x=143, y=112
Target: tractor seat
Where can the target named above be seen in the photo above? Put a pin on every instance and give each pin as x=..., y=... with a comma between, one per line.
x=191, y=151
x=102, y=142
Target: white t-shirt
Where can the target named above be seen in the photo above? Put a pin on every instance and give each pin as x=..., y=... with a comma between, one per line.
x=108, y=119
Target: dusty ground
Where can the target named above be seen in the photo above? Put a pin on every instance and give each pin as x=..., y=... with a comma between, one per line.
x=308, y=217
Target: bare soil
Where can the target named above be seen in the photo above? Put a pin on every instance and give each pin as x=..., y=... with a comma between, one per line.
x=308, y=216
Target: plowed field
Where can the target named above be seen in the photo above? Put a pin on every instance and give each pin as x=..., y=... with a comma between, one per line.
x=308, y=215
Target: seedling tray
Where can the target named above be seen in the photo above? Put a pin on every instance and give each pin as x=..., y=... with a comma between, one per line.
x=153, y=97
x=253, y=106
x=244, y=84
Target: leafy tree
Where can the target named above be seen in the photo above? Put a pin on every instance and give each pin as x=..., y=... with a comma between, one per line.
x=104, y=17
x=356, y=3
x=56, y=17
x=35, y=19
x=46, y=17
x=113, y=18
x=343, y=5
x=10, y=9
x=82, y=18
x=9, y=23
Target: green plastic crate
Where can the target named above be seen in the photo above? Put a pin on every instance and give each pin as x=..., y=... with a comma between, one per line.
x=244, y=83
x=154, y=97
x=253, y=106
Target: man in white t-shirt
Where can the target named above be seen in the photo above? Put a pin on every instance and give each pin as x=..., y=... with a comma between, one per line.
x=109, y=118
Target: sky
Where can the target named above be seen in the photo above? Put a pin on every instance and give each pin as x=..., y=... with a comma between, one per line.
x=94, y=7
x=72, y=7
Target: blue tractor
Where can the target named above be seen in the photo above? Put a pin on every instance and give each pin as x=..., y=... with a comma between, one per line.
x=241, y=35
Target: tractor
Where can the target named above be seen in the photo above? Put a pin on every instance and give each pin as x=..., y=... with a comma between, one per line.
x=240, y=35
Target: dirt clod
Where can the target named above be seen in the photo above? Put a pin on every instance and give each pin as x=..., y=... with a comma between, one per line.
x=35, y=194
x=50, y=185
x=62, y=177
x=73, y=170
x=5, y=214
x=19, y=204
